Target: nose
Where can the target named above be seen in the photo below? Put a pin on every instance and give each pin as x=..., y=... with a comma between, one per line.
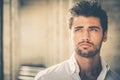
x=86, y=35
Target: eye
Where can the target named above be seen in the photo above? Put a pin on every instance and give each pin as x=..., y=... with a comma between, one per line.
x=78, y=29
x=94, y=29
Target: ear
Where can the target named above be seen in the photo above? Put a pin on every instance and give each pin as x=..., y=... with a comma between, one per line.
x=105, y=36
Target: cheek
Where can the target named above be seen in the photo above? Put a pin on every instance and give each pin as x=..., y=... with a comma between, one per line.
x=97, y=39
x=76, y=38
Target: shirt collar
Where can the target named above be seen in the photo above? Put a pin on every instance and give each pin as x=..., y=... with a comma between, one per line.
x=74, y=68
x=73, y=65
x=105, y=69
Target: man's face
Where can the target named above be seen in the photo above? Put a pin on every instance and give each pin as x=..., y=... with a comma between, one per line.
x=87, y=35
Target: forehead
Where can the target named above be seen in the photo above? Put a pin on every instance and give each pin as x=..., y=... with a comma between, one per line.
x=86, y=21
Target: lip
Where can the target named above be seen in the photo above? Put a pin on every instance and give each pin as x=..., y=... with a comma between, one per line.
x=85, y=45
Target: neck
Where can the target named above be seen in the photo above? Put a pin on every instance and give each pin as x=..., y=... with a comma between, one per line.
x=89, y=66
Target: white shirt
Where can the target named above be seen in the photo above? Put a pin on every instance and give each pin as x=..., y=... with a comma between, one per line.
x=67, y=70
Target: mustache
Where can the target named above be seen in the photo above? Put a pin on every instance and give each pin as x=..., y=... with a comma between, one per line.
x=85, y=42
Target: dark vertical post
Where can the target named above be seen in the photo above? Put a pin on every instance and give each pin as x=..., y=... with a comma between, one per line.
x=1, y=39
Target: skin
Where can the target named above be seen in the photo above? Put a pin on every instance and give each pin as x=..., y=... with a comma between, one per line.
x=87, y=37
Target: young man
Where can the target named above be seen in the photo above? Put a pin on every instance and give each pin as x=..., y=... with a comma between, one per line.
x=88, y=26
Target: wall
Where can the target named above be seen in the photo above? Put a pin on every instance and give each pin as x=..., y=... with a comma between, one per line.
x=31, y=35
x=110, y=51
x=44, y=32
x=11, y=39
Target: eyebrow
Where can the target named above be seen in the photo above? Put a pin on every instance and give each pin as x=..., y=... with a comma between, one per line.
x=79, y=27
x=88, y=27
x=94, y=27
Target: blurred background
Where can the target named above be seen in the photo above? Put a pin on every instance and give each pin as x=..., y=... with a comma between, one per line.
x=36, y=36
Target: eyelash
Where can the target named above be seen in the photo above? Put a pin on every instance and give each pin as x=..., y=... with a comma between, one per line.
x=91, y=29
x=77, y=29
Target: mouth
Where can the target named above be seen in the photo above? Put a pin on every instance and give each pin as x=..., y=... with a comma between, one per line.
x=85, y=45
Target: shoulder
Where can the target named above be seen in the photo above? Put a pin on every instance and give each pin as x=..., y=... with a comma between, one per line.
x=54, y=72
x=111, y=75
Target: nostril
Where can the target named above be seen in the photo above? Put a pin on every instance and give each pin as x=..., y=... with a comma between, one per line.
x=85, y=39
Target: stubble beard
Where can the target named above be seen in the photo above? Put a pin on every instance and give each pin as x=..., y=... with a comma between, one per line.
x=86, y=53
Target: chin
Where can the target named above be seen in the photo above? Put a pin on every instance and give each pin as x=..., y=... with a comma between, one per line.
x=87, y=54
